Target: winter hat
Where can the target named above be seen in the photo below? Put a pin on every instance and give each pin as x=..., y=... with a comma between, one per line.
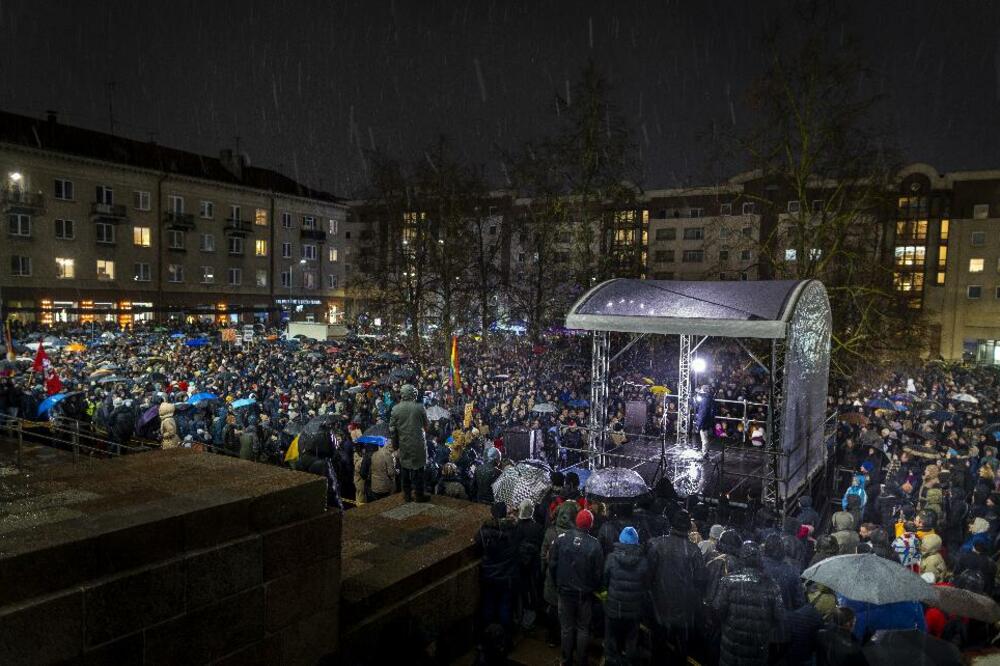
x=525, y=510
x=868, y=466
x=499, y=510
x=629, y=536
x=979, y=526
x=715, y=532
x=584, y=520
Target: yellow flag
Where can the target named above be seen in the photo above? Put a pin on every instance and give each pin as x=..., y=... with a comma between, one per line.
x=293, y=450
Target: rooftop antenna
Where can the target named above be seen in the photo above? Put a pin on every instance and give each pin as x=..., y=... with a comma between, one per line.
x=110, y=87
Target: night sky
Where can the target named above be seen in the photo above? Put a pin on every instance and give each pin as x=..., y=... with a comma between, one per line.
x=307, y=86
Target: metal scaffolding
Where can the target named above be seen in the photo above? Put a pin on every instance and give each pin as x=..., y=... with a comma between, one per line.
x=599, y=366
x=773, y=438
x=684, y=392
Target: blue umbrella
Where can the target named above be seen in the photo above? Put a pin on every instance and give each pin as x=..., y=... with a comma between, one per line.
x=202, y=397
x=578, y=404
x=880, y=403
x=243, y=402
x=372, y=439
x=904, y=397
x=196, y=342
x=177, y=335
x=49, y=403
x=941, y=416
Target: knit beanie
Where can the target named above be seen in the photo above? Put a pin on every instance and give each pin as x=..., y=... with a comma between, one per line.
x=584, y=520
x=629, y=536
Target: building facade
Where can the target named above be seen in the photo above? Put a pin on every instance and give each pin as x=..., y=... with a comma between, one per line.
x=104, y=227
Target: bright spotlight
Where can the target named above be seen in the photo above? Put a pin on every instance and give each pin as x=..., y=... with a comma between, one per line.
x=698, y=364
x=15, y=177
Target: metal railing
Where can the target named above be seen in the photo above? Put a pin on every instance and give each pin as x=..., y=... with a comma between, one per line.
x=75, y=437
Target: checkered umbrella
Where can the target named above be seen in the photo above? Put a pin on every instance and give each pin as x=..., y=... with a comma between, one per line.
x=528, y=480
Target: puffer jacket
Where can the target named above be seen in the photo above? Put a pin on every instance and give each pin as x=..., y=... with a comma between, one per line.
x=565, y=520
x=168, y=426
x=498, y=540
x=721, y=563
x=782, y=573
x=626, y=577
x=678, y=580
x=930, y=557
x=752, y=616
x=845, y=532
x=576, y=563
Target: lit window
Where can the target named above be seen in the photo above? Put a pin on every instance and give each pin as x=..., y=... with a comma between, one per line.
x=261, y=277
x=140, y=236
x=333, y=254
x=260, y=217
x=207, y=275
x=334, y=225
x=105, y=269
x=65, y=268
x=910, y=255
x=976, y=265
x=260, y=247
x=815, y=253
x=944, y=231
x=940, y=277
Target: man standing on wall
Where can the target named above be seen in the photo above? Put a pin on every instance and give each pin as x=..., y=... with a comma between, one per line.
x=407, y=425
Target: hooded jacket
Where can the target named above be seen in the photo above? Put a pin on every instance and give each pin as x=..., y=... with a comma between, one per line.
x=930, y=557
x=626, y=577
x=678, y=579
x=856, y=488
x=576, y=563
x=807, y=514
x=844, y=532
x=168, y=426
x=565, y=520
x=749, y=607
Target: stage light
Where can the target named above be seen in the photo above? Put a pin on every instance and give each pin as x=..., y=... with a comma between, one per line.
x=698, y=364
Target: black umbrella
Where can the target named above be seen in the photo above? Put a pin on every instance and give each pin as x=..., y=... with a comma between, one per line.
x=156, y=377
x=293, y=427
x=910, y=646
x=380, y=429
x=403, y=372
x=966, y=603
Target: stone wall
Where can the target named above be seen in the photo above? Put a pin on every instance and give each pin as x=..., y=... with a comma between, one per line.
x=168, y=558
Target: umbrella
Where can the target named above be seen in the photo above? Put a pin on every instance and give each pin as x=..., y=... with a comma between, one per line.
x=436, y=413
x=196, y=342
x=372, y=439
x=156, y=377
x=613, y=483
x=177, y=335
x=966, y=603
x=321, y=423
x=527, y=480
x=111, y=379
x=102, y=372
x=904, y=397
x=869, y=578
x=941, y=415
x=148, y=415
x=659, y=390
x=993, y=427
x=964, y=397
x=356, y=389
x=931, y=404
x=202, y=397
x=578, y=404
x=50, y=402
x=854, y=418
x=242, y=402
x=910, y=646
x=389, y=356
x=293, y=427
x=913, y=434
x=544, y=408
x=880, y=403
x=403, y=372
x=380, y=429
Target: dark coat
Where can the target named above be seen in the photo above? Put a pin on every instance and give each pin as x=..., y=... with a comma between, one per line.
x=705, y=415
x=838, y=648
x=721, y=563
x=499, y=541
x=626, y=577
x=576, y=563
x=678, y=580
x=407, y=424
x=777, y=568
x=802, y=624
x=486, y=474
x=749, y=607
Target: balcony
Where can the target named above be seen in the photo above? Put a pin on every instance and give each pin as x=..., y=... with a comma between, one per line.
x=236, y=227
x=316, y=235
x=174, y=220
x=110, y=213
x=16, y=200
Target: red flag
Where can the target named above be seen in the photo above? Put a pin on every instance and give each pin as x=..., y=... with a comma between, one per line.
x=41, y=359
x=53, y=384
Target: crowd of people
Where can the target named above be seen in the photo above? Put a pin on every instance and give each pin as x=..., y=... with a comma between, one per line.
x=655, y=577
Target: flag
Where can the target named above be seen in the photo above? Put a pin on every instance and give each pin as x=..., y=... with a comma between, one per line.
x=53, y=384
x=41, y=359
x=293, y=450
x=9, y=340
x=456, y=376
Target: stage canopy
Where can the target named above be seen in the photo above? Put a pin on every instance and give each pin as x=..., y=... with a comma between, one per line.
x=757, y=309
